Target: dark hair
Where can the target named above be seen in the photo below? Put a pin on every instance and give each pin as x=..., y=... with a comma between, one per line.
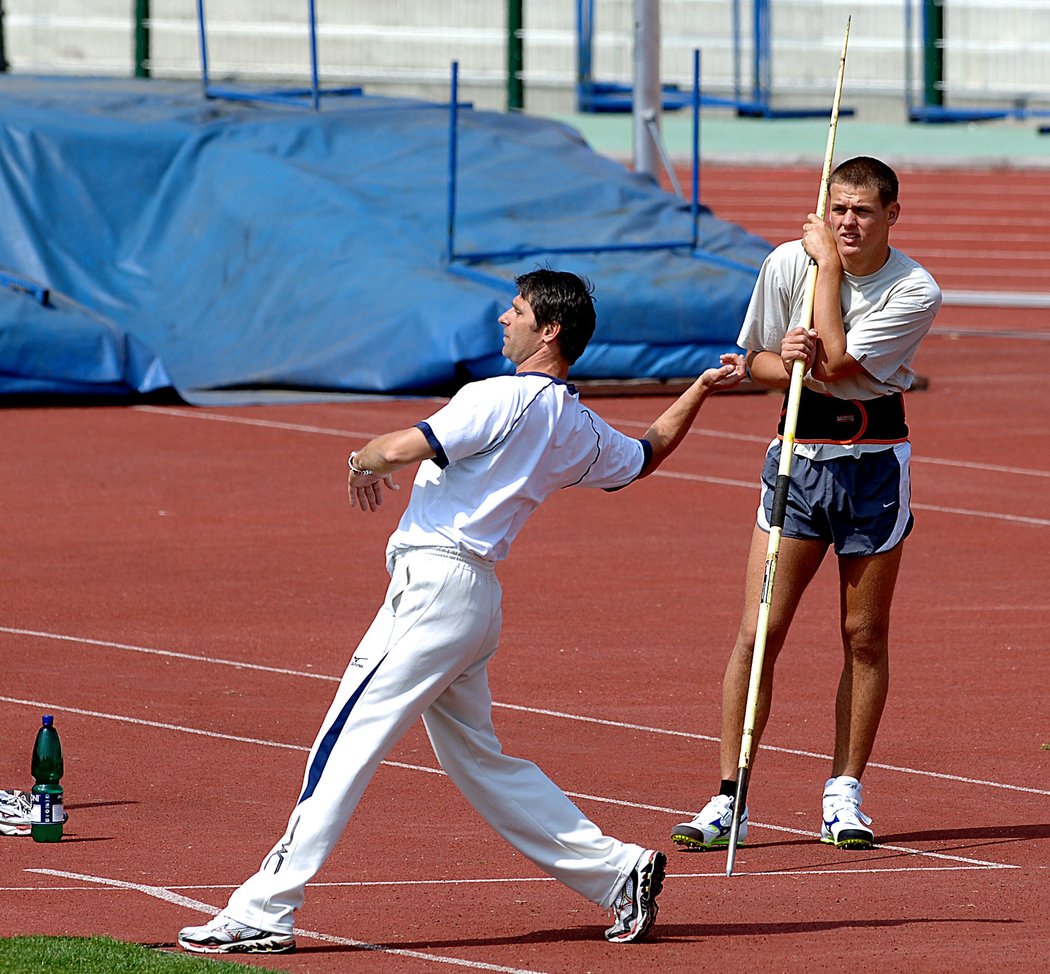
x=562, y=298
x=867, y=173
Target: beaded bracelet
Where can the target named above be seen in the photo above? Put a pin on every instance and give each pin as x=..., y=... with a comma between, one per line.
x=356, y=470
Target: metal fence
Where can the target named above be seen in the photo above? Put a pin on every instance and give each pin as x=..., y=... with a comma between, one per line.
x=992, y=54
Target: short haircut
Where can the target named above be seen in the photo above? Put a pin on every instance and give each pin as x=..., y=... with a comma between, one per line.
x=562, y=298
x=867, y=173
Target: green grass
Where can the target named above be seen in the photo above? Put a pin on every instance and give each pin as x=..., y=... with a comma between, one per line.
x=100, y=955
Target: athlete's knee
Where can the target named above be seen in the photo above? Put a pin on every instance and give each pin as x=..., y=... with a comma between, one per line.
x=744, y=648
x=866, y=640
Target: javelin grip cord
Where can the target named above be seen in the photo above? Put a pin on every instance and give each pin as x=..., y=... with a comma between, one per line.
x=780, y=499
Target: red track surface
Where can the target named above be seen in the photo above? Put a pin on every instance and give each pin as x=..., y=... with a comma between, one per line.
x=147, y=548
x=974, y=230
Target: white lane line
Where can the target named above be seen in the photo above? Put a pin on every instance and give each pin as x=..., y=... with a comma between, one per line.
x=695, y=431
x=975, y=863
x=265, y=423
x=539, y=711
x=991, y=467
x=978, y=863
x=582, y=796
x=767, y=747
x=160, y=725
x=965, y=512
x=160, y=893
x=214, y=660
x=762, y=873
x=518, y=880
x=751, y=438
x=700, y=478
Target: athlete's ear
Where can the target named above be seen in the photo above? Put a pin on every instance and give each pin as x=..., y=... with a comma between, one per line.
x=892, y=212
x=550, y=331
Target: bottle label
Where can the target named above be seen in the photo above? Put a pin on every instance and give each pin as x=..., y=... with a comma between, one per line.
x=47, y=809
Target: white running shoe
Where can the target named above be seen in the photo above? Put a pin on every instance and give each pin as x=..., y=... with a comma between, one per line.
x=709, y=828
x=15, y=810
x=635, y=906
x=845, y=825
x=224, y=935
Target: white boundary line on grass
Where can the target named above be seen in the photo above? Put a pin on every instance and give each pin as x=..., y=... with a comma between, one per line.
x=539, y=711
x=47, y=706
x=168, y=896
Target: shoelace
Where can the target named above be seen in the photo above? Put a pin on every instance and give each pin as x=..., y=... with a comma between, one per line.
x=625, y=900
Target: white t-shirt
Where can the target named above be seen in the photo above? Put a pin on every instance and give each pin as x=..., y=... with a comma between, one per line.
x=503, y=445
x=885, y=314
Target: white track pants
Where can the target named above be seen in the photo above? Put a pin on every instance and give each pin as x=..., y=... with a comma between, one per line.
x=426, y=655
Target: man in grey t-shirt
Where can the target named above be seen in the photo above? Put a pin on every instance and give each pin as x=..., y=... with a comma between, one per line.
x=850, y=484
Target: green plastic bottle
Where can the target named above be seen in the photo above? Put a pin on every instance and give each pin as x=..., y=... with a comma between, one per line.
x=48, y=815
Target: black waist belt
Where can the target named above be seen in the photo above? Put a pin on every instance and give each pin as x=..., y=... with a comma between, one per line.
x=825, y=419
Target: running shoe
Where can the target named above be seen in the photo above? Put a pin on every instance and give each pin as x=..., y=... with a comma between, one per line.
x=635, y=905
x=710, y=827
x=224, y=935
x=15, y=811
x=845, y=825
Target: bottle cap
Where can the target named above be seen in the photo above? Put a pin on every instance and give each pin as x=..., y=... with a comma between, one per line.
x=48, y=720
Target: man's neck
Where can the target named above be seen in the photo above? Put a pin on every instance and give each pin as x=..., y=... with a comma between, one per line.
x=547, y=362
x=869, y=266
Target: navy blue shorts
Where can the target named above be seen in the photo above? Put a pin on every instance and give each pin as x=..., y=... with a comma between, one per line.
x=861, y=505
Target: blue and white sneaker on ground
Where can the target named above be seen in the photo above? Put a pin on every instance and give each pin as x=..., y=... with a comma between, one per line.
x=710, y=827
x=845, y=825
x=224, y=935
x=635, y=905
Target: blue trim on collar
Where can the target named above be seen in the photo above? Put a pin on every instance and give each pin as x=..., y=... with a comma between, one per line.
x=562, y=382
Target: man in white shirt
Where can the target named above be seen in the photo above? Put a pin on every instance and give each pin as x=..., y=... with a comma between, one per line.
x=486, y=461
x=850, y=483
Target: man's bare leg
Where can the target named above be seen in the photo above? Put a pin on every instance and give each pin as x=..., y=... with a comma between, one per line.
x=797, y=563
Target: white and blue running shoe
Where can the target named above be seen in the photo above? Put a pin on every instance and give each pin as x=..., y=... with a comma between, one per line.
x=710, y=827
x=845, y=825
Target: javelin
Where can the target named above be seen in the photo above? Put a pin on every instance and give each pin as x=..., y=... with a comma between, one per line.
x=780, y=492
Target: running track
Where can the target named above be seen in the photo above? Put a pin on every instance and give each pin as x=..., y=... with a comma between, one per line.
x=182, y=588
x=977, y=231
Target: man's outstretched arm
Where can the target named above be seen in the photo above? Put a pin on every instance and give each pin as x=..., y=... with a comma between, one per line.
x=669, y=430
x=374, y=465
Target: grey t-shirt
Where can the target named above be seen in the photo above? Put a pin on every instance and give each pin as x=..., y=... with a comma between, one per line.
x=886, y=315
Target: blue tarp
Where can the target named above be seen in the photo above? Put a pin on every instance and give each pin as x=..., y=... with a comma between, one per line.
x=224, y=248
